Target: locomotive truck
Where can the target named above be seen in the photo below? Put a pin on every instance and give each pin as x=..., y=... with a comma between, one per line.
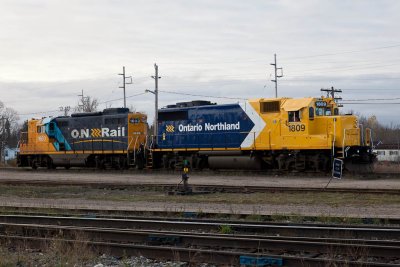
x=277, y=133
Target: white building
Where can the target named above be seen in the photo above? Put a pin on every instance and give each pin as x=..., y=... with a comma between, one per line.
x=388, y=153
x=10, y=153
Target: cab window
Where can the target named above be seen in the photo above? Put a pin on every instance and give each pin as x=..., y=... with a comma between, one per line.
x=325, y=111
x=320, y=111
x=311, y=113
x=328, y=112
x=41, y=129
x=336, y=111
x=294, y=116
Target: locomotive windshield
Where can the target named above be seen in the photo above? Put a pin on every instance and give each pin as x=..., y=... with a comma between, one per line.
x=322, y=109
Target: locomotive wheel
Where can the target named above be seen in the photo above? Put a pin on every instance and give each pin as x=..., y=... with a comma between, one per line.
x=51, y=166
x=34, y=165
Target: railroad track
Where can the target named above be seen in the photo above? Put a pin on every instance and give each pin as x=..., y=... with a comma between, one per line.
x=196, y=242
x=199, y=188
x=196, y=216
x=273, y=172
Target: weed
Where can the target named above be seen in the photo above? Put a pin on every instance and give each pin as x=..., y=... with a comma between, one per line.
x=225, y=229
x=255, y=217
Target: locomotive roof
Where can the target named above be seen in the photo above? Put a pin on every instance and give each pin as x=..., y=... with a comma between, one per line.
x=168, y=109
x=288, y=104
x=293, y=104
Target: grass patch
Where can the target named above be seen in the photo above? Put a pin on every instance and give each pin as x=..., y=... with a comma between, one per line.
x=51, y=253
x=131, y=195
x=225, y=229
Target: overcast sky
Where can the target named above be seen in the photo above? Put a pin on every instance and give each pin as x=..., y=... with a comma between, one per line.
x=51, y=50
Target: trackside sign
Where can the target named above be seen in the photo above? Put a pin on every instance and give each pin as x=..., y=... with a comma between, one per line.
x=337, y=169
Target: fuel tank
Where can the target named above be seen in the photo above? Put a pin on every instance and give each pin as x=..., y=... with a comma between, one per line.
x=234, y=162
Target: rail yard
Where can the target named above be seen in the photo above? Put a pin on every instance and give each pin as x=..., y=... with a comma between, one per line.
x=229, y=218
x=268, y=160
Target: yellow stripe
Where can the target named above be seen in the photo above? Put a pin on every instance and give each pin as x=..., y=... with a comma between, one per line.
x=239, y=149
x=98, y=140
x=200, y=149
x=75, y=152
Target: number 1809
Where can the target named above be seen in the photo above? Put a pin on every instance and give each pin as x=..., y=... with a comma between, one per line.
x=297, y=128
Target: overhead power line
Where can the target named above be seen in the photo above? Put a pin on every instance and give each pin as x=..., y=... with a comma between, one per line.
x=345, y=52
x=117, y=99
x=371, y=89
x=57, y=110
x=179, y=93
x=38, y=112
x=373, y=99
x=372, y=103
x=287, y=58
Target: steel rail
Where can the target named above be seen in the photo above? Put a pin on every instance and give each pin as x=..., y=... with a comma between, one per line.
x=271, y=172
x=392, y=233
x=193, y=216
x=191, y=255
x=201, y=187
x=372, y=248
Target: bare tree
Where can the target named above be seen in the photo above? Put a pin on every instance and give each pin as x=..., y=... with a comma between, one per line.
x=8, y=127
x=87, y=104
x=132, y=108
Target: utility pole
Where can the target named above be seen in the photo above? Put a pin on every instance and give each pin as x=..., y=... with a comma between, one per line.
x=65, y=109
x=85, y=102
x=276, y=75
x=2, y=141
x=330, y=92
x=124, y=83
x=155, y=92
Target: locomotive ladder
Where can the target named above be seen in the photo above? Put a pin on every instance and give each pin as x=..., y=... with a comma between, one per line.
x=149, y=160
x=340, y=153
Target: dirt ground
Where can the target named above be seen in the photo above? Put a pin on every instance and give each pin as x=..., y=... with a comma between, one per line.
x=232, y=178
x=387, y=167
x=383, y=209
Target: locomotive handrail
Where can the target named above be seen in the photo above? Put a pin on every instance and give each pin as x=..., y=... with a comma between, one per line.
x=368, y=133
x=362, y=133
x=334, y=137
x=127, y=151
x=129, y=144
x=134, y=150
x=145, y=142
x=343, y=142
x=152, y=140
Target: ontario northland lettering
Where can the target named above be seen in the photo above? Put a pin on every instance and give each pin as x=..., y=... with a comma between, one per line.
x=98, y=132
x=220, y=126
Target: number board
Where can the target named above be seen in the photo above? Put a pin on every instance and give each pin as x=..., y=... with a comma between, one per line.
x=297, y=128
x=321, y=104
x=337, y=169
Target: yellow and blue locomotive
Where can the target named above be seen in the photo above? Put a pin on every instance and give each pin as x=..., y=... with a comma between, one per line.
x=278, y=133
x=114, y=137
